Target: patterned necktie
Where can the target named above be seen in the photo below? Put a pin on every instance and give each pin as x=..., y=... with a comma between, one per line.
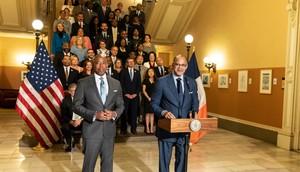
x=102, y=90
x=180, y=91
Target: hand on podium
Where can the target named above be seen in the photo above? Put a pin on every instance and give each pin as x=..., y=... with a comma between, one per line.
x=168, y=115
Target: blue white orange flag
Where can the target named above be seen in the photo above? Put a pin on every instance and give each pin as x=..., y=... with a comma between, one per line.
x=39, y=99
x=193, y=72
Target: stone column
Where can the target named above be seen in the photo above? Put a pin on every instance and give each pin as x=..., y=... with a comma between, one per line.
x=288, y=137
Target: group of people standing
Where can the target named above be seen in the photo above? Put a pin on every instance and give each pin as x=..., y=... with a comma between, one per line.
x=110, y=69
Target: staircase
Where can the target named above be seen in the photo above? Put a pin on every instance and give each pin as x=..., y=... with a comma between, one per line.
x=141, y=137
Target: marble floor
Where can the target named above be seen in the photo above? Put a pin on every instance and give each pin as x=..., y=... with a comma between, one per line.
x=219, y=151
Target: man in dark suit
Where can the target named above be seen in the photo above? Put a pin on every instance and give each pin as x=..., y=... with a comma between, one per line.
x=71, y=121
x=114, y=31
x=138, y=12
x=104, y=35
x=160, y=70
x=131, y=84
x=57, y=60
x=66, y=74
x=174, y=96
x=80, y=24
x=103, y=11
x=88, y=14
x=98, y=99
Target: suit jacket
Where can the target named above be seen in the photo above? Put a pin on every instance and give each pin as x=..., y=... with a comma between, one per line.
x=130, y=87
x=110, y=32
x=142, y=72
x=165, y=97
x=73, y=77
x=114, y=74
x=141, y=16
x=57, y=61
x=87, y=101
x=66, y=109
x=77, y=9
x=103, y=17
x=76, y=26
x=108, y=40
x=88, y=15
x=156, y=70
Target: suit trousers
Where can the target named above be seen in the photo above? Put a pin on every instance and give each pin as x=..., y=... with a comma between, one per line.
x=66, y=131
x=130, y=113
x=165, y=154
x=92, y=148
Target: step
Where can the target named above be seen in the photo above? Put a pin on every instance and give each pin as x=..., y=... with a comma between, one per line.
x=129, y=137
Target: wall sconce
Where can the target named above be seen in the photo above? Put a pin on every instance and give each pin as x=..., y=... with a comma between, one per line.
x=28, y=64
x=188, y=40
x=210, y=63
x=37, y=26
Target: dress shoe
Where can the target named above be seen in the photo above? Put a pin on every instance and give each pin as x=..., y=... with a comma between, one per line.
x=68, y=149
x=134, y=132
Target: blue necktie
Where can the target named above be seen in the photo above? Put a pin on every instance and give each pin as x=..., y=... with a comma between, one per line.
x=102, y=90
x=180, y=91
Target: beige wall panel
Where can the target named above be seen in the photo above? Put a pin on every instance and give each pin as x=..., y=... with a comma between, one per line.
x=241, y=33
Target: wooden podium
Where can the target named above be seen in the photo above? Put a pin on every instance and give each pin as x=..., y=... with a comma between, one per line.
x=188, y=125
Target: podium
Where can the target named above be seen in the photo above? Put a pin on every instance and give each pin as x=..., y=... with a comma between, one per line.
x=188, y=125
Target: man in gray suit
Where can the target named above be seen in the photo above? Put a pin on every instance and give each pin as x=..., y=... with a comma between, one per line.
x=99, y=100
x=175, y=96
x=142, y=69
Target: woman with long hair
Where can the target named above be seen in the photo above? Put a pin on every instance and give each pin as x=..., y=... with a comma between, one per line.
x=87, y=41
x=118, y=66
x=79, y=49
x=148, y=86
x=87, y=69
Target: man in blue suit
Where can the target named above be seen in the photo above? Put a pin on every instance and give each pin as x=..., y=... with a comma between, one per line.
x=175, y=96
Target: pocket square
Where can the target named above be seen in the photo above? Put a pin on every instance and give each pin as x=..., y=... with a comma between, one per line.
x=191, y=92
x=115, y=91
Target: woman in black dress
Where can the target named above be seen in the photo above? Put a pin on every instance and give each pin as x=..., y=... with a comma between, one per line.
x=148, y=86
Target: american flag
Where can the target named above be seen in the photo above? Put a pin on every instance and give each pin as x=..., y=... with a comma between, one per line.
x=39, y=99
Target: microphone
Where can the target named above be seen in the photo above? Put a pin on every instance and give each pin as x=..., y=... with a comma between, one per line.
x=188, y=88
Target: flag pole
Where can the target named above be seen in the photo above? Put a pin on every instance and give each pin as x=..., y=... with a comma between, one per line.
x=39, y=147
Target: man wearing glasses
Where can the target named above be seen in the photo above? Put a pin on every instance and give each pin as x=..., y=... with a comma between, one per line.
x=174, y=96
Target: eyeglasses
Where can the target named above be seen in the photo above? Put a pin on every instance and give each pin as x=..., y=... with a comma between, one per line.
x=180, y=65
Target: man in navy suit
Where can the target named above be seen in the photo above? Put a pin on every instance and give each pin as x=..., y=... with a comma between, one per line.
x=175, y=96
x=131, y=84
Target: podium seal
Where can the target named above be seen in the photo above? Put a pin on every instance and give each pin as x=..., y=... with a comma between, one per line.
x=195, y=125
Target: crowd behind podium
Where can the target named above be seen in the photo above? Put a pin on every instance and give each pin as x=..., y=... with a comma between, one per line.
x=86, y=28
